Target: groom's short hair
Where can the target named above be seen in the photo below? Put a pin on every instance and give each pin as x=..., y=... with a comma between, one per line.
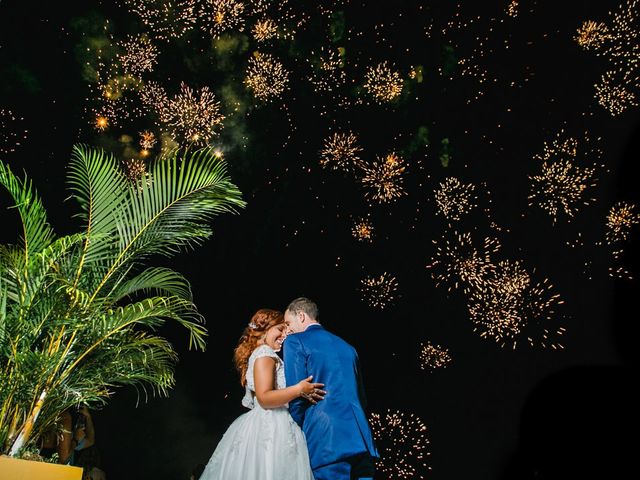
x=303, y=304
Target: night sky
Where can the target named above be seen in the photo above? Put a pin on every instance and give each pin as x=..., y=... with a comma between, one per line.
x=495, y=411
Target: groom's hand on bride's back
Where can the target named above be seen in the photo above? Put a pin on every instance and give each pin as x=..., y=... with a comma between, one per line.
x=312, y=392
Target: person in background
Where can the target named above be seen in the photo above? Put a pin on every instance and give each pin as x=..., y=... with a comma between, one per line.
x=77, y=445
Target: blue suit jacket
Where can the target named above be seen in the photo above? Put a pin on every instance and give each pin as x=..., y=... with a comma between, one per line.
x=336, y=428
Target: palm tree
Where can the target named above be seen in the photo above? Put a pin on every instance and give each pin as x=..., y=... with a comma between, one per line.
x=78, y=313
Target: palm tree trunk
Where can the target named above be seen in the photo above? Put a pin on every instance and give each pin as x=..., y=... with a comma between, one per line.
x=25, y=433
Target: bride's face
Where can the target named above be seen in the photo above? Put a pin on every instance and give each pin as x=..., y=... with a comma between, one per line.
x=275, y=336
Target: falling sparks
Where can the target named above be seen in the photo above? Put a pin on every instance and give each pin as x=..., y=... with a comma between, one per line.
x=402, y=443
x=139, y=55
x=266, y=77
x=539, y=308
x=328, y=73
x=264, y=29
x=165, y=19
x=10, y=136
x=193, y=117
x=383, y=83
x=340, y=152
x=433, y=357
x=223, y=15
x=154, y=96
x=618, y=42
x=362, y=231
x=383, y=179
x=473, y=39
x=455, y=199
x=561, y=184
x=379, y=292
x=113, y=92
x=620, y=220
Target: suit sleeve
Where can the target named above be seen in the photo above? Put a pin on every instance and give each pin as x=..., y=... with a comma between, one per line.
x=295, y=369
x=361, y=393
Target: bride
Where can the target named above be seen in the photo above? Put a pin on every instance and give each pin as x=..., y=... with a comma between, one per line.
x=264, y=443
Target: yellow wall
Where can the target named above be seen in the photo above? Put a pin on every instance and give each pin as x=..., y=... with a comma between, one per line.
x=14, y=469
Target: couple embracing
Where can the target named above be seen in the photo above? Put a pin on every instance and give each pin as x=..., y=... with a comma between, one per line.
x=286, y=399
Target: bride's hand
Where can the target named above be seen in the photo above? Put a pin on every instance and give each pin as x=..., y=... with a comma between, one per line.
x=311, y=391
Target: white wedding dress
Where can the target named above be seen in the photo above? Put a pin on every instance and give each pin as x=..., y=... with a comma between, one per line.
x=264, y=443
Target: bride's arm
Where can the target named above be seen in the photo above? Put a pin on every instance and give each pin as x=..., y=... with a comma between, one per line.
x=264, y=369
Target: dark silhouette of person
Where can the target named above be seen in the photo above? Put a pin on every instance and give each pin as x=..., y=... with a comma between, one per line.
x=577, y=423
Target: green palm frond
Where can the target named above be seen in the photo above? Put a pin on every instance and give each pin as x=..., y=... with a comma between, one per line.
x=3, y=315
x=37, y=234
x=138, y=358
x=48, y=266
x=156, y=280
x=174, y=210
x=149, y=313
x=100, y=188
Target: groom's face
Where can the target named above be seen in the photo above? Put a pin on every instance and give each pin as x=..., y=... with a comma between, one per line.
x=294, y=321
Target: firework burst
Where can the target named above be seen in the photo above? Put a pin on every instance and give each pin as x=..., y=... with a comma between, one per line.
x=147, y=140
x=592, y=35
x=362, y=231
x=383, y=83
x=383, y=179
x=340, y=152
x=139, y=55
x=618, y=41
x=264, y=29
x=266, y=77
x=620, y=220
x=402, y=443
x=561, y=184
x=101, y=123
x=614, y=95
x=459, y=263
x=433, y=357
x=455, y=199
x=495, y=305
x=508, y=306
x=223, y=15
x=136, y=171
x=193, y=118
x=379, y=292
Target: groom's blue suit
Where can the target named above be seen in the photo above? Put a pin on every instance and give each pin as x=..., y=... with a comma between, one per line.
x=336, y=428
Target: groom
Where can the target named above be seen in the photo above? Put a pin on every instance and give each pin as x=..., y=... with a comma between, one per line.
x=337, y=432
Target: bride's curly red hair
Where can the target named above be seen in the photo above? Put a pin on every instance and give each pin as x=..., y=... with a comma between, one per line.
x=261, y=321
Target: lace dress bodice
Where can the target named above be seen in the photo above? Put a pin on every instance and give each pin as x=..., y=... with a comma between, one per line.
x=249, y=400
